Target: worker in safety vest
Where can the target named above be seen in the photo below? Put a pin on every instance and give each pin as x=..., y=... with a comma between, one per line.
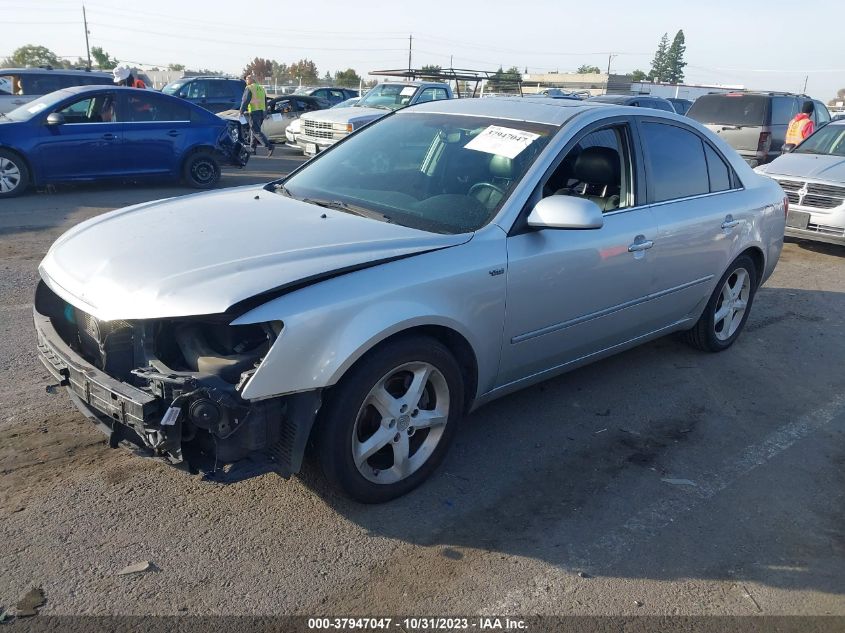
x=255, y=102
x=123, y=77
x=801, y=126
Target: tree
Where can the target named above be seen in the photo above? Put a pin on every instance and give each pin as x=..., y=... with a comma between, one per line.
x=434, y=71
x=504, y=79
x=261, y=68
x=658, y=64
x=638, y=75
x=102, y=58
x=584, y=69
x=31, y=55
x=347, y=77
x=675, y=59
x=176, y=67
x=305, y=70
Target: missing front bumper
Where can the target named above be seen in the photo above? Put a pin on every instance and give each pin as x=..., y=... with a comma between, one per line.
x=173, y=424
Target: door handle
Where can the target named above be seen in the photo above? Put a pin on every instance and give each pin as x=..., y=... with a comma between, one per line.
x=640, y=244
x=109, y=137
x=729, y=222
x=173, y=133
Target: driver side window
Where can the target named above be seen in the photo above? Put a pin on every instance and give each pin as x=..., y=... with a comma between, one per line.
x=598, y=168
x=99, y=109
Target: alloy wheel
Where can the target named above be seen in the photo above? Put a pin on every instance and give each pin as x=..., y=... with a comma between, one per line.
x=731, y=305
x=400, y=423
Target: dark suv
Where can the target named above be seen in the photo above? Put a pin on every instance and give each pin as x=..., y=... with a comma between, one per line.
x=21, y=85
x=212, y=93
x=328, y=93
x=754, y=123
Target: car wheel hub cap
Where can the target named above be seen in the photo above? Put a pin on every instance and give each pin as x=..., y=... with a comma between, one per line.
x=400, y=423
x=10, y=175
x=732, y=303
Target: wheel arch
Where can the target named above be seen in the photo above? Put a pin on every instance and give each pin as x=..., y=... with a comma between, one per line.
x=453, y=340
x=758, y=257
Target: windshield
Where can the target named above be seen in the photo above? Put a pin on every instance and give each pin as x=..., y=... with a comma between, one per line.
x=173, y=87
x=30, y=109
x=828, y=140
x=435, y=172
x=730, y=109
x=388, y=96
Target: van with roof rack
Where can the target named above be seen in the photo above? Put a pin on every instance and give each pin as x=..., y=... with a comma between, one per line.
x=754, y=123
x=22, y=85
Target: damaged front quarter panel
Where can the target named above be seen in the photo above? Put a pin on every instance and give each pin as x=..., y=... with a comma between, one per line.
x=174, y=386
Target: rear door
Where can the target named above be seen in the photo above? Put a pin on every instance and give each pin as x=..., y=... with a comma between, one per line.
x=222, y=94
x=87, y=145
x=696, y=202
x=155, y=132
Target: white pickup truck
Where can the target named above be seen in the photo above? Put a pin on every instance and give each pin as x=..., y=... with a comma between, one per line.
x=324, y=128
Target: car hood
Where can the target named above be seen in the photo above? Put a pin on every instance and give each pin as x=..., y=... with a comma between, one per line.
x=204, y=253
x=819, y=166
x=346, y=115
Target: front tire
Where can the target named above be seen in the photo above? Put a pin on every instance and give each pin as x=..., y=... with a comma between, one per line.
x=728, y=308
x=201, y=170
x=389, y=422
x=14, y=174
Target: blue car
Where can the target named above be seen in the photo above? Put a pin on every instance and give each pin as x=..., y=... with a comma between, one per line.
x=93, y=133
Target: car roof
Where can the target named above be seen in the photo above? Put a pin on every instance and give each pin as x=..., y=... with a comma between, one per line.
x=47, y=71
x=537, y=110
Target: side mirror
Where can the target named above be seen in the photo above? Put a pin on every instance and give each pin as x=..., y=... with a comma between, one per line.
x=566, y=212
x=55, y=118
x=788, y=148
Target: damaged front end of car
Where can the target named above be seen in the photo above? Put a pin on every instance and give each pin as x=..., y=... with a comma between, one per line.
x=172, y=387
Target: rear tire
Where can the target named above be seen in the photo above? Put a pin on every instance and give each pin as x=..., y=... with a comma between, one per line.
x=727, y=310
x=387, y=425
x=14, y=174
x=201, y=170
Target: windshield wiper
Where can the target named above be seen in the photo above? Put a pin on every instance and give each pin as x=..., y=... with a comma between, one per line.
x=339, y=205
x=4, y=116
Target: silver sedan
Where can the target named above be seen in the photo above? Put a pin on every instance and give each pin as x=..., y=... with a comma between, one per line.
x=436, y=260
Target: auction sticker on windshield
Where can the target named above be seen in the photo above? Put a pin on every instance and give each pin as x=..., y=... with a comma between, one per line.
x=407, y=91
x=502, y=141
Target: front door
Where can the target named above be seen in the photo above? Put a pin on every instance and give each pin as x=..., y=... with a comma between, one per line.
x=87, y=145
x=573, y=293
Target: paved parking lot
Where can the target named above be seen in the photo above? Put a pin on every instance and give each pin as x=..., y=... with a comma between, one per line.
x=674, y=482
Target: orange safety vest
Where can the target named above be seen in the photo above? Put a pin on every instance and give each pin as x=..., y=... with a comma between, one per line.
x=795, y=133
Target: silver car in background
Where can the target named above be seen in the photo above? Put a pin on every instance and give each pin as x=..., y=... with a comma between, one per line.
x=364, y=305
x=813, y=177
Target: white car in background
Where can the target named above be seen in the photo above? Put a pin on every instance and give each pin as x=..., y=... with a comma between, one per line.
x=813, y=177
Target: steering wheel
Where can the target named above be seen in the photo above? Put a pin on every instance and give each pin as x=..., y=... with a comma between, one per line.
x=481, y=186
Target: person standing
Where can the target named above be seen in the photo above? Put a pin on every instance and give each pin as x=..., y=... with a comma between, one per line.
x=123, y=77
x=801, y=126
x=255, y=102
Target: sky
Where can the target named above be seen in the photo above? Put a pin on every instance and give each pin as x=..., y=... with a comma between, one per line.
x=755, y=43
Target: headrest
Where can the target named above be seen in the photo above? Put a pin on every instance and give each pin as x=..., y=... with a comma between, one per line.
x=501, y=167
x=597, y=166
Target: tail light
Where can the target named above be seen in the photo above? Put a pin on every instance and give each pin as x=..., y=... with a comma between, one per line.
x=764, y=143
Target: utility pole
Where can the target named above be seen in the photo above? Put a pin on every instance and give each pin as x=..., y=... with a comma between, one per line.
x=410, y=48
x=87, y=48
x=610, y=57
x=451, y=63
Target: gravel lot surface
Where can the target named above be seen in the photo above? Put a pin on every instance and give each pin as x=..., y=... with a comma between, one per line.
x=563, y=478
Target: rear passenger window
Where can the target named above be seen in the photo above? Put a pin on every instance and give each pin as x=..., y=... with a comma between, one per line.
x=676, y=164
x=783, y=109
x=720, y=173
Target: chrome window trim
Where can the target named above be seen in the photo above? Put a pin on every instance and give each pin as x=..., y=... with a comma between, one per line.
x=651, y=205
